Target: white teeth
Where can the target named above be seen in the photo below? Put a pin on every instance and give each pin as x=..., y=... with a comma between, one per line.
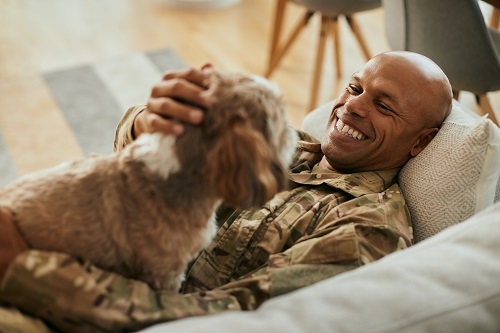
x=345, y=129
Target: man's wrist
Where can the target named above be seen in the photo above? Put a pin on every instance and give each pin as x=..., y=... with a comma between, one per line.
x=137, y=127
x=124, y=133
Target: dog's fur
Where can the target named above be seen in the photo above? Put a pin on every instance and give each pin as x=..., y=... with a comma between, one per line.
x=147, y=210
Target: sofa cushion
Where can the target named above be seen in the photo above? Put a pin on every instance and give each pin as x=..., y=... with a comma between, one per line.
x=456, y=176
x=315, y=121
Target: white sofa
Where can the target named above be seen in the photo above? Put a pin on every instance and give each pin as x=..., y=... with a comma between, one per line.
x=447, y=282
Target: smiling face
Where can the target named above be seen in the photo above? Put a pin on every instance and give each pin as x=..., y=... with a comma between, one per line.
x=390, y=110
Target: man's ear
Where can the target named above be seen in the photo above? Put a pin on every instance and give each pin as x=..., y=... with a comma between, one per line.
x=425, y=137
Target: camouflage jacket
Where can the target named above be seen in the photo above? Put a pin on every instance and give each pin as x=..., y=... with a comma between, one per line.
x=326, y=224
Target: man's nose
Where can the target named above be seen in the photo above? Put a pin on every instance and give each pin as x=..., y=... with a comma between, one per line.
x=358, y=105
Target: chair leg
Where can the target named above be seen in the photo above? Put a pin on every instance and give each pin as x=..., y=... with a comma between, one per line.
x=318, y=66
x=495, y=18
x=277, y=25
x=357, y=33
x=279, y=52
x=337, y=46
x=485, y=105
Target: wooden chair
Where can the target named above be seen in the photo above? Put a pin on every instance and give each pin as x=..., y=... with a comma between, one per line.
x=330, y=10
x=495, y=18
x=455, y=35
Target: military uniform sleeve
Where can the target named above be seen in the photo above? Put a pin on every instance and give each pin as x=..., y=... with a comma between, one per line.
x=124, y=131
x=78, y=297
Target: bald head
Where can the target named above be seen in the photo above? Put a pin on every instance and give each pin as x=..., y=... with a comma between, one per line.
x=429, y=88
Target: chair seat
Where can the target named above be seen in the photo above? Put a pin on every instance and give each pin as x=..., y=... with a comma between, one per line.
x=334, y=8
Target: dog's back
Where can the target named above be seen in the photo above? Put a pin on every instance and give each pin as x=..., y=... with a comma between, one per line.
x=67, y=207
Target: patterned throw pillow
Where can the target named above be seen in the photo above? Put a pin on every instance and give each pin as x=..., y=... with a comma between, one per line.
x=456, y=176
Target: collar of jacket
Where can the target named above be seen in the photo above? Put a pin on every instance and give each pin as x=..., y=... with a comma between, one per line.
x=356, y=184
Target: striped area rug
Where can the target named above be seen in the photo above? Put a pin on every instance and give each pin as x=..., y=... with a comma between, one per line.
x=93, y=98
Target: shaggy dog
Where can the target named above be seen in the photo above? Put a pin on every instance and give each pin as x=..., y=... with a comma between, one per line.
x=148, y=210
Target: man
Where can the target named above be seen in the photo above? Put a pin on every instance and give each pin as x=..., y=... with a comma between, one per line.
x=343, y=210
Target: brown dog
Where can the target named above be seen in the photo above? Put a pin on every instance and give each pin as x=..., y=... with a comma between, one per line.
x=146, y=211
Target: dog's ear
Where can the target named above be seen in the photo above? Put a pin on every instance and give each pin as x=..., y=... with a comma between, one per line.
x=248, y=171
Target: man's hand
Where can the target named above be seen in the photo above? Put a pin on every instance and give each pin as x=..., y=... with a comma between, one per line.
x=11, y=242
x=178, y=98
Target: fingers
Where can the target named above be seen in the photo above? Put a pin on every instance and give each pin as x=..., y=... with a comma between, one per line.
x=207, y=65
x=195, y=76
x=171, y=108
x=153, y=122
x=179, y=98
x=180, y=87
x=179, y=90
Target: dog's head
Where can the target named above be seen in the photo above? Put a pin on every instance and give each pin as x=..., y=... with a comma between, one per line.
x=250, y=143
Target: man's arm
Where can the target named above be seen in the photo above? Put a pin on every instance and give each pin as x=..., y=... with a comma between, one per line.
x=78, y=297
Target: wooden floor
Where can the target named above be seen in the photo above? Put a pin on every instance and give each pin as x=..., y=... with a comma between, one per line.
x=38, y=36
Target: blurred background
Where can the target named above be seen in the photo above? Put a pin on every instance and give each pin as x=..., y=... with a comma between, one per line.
x=127, y=44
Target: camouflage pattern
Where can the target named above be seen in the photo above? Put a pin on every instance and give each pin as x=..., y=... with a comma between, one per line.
x=326, y=224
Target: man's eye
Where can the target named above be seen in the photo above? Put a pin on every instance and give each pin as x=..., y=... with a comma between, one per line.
x=384, y=107
x=353, y=89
